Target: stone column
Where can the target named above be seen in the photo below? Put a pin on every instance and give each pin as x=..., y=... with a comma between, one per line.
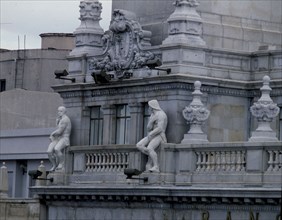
x=89, y=34
x=184, y=46
x=109, y=112
x=195, y=114
x=88, y=39
x=185, y=24
x=264, y=110
x=136, y=122
x=3, y=181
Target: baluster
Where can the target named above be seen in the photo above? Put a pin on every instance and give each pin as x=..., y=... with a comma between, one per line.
x=114, y=161
x=107, y=162
x=223, y=161
x=127, y=162
x=243, y=159
x=104, y=161
x=203, y=162
x=87, y=163
x=270, y=161
x=119, y=162
x=123, y=160
x=238, y=161
x=217, y=166
x=99, y=160
x=228, y=161
x=111, y=162
x=276, y=161
x=91, y=163
x=233, y=161
x=212, y=164
x=198, y=163
x=208, y=157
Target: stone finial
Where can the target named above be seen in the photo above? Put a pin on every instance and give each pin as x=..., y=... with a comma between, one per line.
x=264, y=110
x=185, y=24
x=195, y=114
x=88, y=35
x=3, y=181
x=42, y=178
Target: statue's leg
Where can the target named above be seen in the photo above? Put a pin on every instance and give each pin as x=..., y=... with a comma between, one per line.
x=141, y=145
x=154, y=143
x=149, y=164
x=50, y=152
x=58, y=151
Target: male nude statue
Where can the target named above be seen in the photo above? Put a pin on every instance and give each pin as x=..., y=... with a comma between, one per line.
x=59, y=140
x=156, y=135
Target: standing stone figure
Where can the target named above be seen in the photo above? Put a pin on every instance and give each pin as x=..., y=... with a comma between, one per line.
x=156, y=135
x=59, y=140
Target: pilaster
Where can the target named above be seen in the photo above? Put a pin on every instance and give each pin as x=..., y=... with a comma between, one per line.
x=109, y=112
x=136, y=122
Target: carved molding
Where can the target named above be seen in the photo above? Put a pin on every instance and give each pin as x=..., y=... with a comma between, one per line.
x=93, y=92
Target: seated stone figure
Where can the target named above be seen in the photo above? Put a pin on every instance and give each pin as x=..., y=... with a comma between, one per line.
x=156, y=135
x=59, y=140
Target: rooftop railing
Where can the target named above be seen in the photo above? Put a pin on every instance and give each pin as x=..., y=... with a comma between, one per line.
x=232, y=164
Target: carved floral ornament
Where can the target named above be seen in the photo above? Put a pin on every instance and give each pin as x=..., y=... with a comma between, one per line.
x=123, y=46
x=265, y=109
x=196, y=112
x=90, y=10
x=191, y=3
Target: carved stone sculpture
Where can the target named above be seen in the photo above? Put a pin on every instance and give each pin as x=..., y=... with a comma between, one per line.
x=156, y=135
x=124, y=47
x=264, y=110
x=88, y=36
x=195, y=114
x=59, y=140
x=185, y=24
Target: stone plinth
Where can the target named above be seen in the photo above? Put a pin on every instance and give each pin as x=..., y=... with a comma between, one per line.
x=264, y=110
x=195, y=114
x=59, y=178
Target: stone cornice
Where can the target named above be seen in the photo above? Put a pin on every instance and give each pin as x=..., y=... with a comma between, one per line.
x=178, y=195
x=168, y=82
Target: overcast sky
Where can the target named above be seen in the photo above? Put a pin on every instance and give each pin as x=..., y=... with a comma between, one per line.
x=33, y=17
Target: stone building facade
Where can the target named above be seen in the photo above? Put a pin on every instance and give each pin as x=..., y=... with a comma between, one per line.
x=226, y=175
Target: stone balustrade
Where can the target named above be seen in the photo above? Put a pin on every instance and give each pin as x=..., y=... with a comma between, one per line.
x=223, y=161
x=274, y=161
x=106, y=161
x=237, y=163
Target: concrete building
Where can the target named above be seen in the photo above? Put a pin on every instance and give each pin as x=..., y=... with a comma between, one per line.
x=231, y=169
x=29, y=106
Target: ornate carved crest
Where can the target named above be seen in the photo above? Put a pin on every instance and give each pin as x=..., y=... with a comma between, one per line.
x=123, y=47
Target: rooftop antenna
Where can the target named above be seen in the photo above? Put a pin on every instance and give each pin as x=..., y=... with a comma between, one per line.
x=18, y=42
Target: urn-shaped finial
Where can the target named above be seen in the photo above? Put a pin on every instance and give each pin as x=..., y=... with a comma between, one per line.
x=264, y=110
x=195, y=114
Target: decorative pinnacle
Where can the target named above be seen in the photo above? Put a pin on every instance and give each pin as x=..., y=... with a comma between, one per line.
x=196, y=113
x=265, y=90
x=197, y=94
x=265, y=109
